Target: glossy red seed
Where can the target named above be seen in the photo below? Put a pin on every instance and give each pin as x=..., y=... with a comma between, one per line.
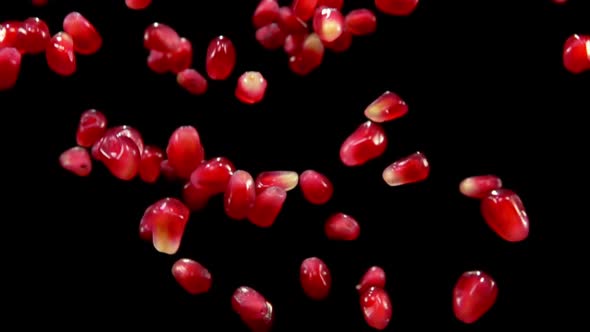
x=294, y=43
x=13, y=34
x=479, y=186
x=341, y=44
x=576, y=54
x=289, y=23
x=374, y=277
x=304, y=9
x=192, y=276
x=37, y=36
x=309, y=58
x=213, y=175
x=120, y=156
x=361, y=22
x=76, y=160
x=251, y=87
x=342, y=227
x=331, y=3
x=138, y=4
x=39, y=3
x=270, y=36
x=376, y=307
x=192, y=81
x=504, y=212
x=167, y=220
x=267, y=206
x=328, y=23
x=149, y=166
x=316, y=187
x=221, y=58
x=182, y=57
x=366, y=143
x=396, y=7
x=60, y=54
x=474, y=294
x=389, y=106
x=158, y=62
x=130, y=132
x=287, y=180
x=195, y=197
x=254, y=310
x=410, y=169
x=91, y=128
x=266, y=13
x=240, y=195
x=161, y=37
x=10, y=62
x=316, y=279
x=86, y=38
x=185, y=151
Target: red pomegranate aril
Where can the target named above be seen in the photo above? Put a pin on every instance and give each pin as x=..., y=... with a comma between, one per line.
x=91, y=128
x=316, y=187
x=130, y=132
x=479, y=186
x=389, y=106
x=39, y=3
x=240, y=195
x=309, y=58
x=396, y=7
x=342, y=227
x=120, y=156
x=86, y=38
x=474, y=295
x=341, y=44
x=289, y=23
x=366, y=143
x=287, y=180
x=270, y=36
x=158, y=62
x=167, y=220
x=76, y=160
x=221, y=58
x=149, y=166
x=411, y=169
x=266, y=13
x=137, y=4
x=328, y=23
x=376, y=307
x=192, y=276
x=37, y=36
x=185, y=151
x=559, y=2
x=213, y=175
x=576, y=54
x=374, y=277
x=504, y=213
x=331, y=3
x=316, y=279
x=167, y=171
x=304, y=9
x=182, y=57
x=60, y=54
x=161, y=37
x=13, y=34
x=251, y=87
x=254, y=310
x=360, y=22
x=267, y=206
x=294, y=43
x=192, y=81
x=10, y=62
x=196, y=198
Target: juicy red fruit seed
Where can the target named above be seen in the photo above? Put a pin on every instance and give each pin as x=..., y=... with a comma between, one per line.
x=138, y=4
x=240, y=195
x=289, y=23
x=182, y=57
x=294, y=43
x=411, y=169
x=316, y=187
x=389, y=106
x=576, y=54
x=167, y=171
x=185, y=151
x=213, y=175
x=120, y=155
x=479, y=186
x=129, y=132
x=13, y=34
x=254, y=310
x=76, y=160
x=504, y=213
x=316, y=279
x=366, y=143
x=270, y=36
x=360, y=22
x=266, y=13
x=221, y=58
x=374, y=277
x=376, y=307
x=163, y=223
x=304, y=9
x=267, y=206
x=192, y=276
x=149, y=166
x=158, y=62
x=396, y=7
x=192, y=81
x=342, y=227
x=309, y=58
x=331, y=3
x=161, y=37
x=328, y=23
x=91, y=128
x=37, y=36
x=60, y=54
x=287, y=180
x=474, y=294
x=39, y=3
x=195, y=197
x=251, y=87
x=10, y=62
x=341, y=44
x=86, y=38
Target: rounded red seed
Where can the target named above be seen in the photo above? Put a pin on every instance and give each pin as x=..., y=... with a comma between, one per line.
x=161, y=37
x=396, y=7
x=86, y=38
x=10, y=62
x=37, y=36
x=266, y=13
x=342, y=227
x=120, y=156
x=254, y=310
x=287, y=180
x=221, y=58
x=309, y=58
x=240, y=195
x=213, y=175
x=192, y=276
x=91, y=128
x=267, y=206
x=192, y=81
x=163, y=223
x=576, y=54
x=149, y=166
x=316, y=187
x=196, y=198
x=185, y=151
x=504, y=213
x=289, y=23
x=76, y=160
x=331, y=3
x=376, y=307
x=361, y=22
x=387, y=107
x=304, y=9
x=374, y=277
x=60, y=54
x=474, y=294
x=182, y=57
x=251, y=87
x=13, y=34
x=270, y=36
x=328, y=23
x=315, y=278
x=294, y=43
x=158, y=62
x=130, y=132
x=366, y=143
x=341, y=44
x=138, y=4
x=410, y=169
x=479, y=186
x=39, y=3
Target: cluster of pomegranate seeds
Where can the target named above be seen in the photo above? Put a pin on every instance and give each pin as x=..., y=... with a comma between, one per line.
x=374, y=299
x=316, y=279
x=374, y=277
x=576, y=54
x=254, y=310
x=474, y=294
x=138, y=4
x=192, y=276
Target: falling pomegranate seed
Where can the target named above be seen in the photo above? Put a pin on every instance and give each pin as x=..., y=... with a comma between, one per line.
x=138, y=4
x=376, y=307
x=254, y=310
x=86, y=39
x=39, y=3
x=389, y=106
x=479, y=186
x=192, y=81
x=221, y=58
x=270, y=36
x=213, y=175
x=266, y=13
x=396, y=7
x=294, y=43
x=192, y=276
x=185, y=151
x=37, y=36
x=316, y=187
x=182, y=57
x=304, y=9
x=10, y=62
x=410, y=169
x=195, y=197
x=161, y=37
x=316, y=279
x=91, y=128
x=328, y=23
x=361, y=22
x=76, y=160
x=290, y=23
x=366, y=143
x=374, y=277
x=167, y=220
x=167, y=171
x=309, y=58
x=474, y=294
x=149, y=166
x=251, y=87
x=331, y=3
x=576, y=54
x=287, y=180
x=130, y=132
x=60, y=54
x=341, y=44
x=240, y=195
x=342, y=227
x=504, y=212
x=158, y=62
x=120, y=155
x=267, y=206
x=11, y=35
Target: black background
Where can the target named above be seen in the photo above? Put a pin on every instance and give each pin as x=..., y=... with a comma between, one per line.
x=487, y=94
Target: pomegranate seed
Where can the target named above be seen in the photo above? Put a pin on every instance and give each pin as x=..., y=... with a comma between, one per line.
x=182, y=57
x=310, y=57
x=39, y=3
x=504, y=212
x=213, y=175
x=267, y=206
x=290, y=23
x=240, y=195
x=479, y=186
x=331, y=3
x=254, y=310
x=389, y=106
x=576, y=54
x=474, y=294
x=192, y=81
x=396, y=7
x=10, y=61
x=316, y=187
x=138, y=4
x=120, y=155
x=167, y=171
x=91, y=128
x=294, y=43
x=266, y=13
x=130, y=132
x=221, y=58
x=167, y=219
x=161, y=37
x=361, y=22
x=86, y=39
x=185, y=151
x=37, y=36
x=195, y=197
x=287, y=180
x=304, y=9
x=328, y=23
x=13, y=34
x=251, y=87
x=60, y=54
x=559, y=2
x=158, y=62
x=315, y=278
x=270, y=36
x=342, y=227
x=366, y=143
x=341, y=44
x=376, y=307
x=374, y=277
x=192, y=276
x=149, y=166
x=411, y=169
x=76, y=160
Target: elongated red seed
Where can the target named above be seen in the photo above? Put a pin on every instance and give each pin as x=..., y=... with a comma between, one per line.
x=192, y=81
x=366, y=143
x=195, y=197
x=120, y=156
x=76, y=160
x=185, y=151
x=60, y=54
x=192, y=276
x=360, y=22
x=316, y=187
x=182, y=57
x=576, y=54
x=389, y=106
x=309, y=58
x=270, y=36
x=290, y=23
x=410, y=169
x=316, y=279
x=254, y=310
x=342, y=227
x=396, y=7
x=251, y=87
x=37, y=35
x=331, y=3
x=266, y=12
x=474, y=295
x=328, y=23
x=91, y=128
x=161, y=37
x=10, y=62
x=240, y=195
x=167, y=220
x=504, y=213
x=149, y=166
x=86, y=38
x=221, y=58
x=213, y=175
x=267, y=206
x=137, y=4
x=304, y=9
x=287, y=180
x=130, y=132
x=376, y=307
x=374, y=277
x=479, y=186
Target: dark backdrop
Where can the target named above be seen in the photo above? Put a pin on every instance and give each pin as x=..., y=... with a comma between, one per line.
x=487, y=94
